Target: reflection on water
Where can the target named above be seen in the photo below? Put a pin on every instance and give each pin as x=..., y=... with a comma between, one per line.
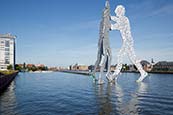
x=119, y=94
x=9, y=100
x=142, y=88
x=131, y=107
x=105, y=99
x=70, y=94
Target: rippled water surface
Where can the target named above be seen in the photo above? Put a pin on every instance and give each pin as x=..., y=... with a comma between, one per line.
x=70, y=94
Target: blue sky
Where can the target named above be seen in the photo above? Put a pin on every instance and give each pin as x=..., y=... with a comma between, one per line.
x=64, y=32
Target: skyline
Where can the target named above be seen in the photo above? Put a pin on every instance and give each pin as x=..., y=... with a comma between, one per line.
x=61, y=33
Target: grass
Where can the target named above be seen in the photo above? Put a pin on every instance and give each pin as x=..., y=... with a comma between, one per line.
x=7, y=72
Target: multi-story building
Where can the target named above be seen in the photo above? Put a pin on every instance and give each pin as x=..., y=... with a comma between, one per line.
x=163, y=66
x=146, y=65
x=82, y=67
x=7, y=51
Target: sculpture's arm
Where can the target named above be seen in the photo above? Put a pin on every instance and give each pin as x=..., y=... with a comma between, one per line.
x=114, y=18
x=115, y=26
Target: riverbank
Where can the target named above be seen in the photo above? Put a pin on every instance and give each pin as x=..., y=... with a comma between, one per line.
x=154, y=72
x=6, y=78
x=40, y=71
x=76, y=72
x=88, y=73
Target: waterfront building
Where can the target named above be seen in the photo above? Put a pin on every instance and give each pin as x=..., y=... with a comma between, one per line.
x=82, y=67
x=146, y=65
x=132, y=67
x=163, y=66
x=7, y=51
x=30, y=65
x=152, y=61
x=113, y=67
x=77, y=67
x=40, y=65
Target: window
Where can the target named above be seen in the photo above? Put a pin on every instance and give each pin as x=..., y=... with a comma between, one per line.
x=7, y=61
x=2, y=42
x=7, y=49
x=7, y=44
x=7, y=53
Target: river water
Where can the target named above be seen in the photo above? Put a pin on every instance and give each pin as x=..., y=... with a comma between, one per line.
x=59, y=93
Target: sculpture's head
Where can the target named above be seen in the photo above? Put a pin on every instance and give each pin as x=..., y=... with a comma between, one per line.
x=120, y=10
x=107, y=4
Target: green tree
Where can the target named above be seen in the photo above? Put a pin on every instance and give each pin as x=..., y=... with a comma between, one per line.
x=17, y=67
x=33, y=68
x=24, y=65
x=10, y=67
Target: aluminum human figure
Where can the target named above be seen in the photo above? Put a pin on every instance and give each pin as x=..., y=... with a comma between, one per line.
x=122, y=24
x=104, y=55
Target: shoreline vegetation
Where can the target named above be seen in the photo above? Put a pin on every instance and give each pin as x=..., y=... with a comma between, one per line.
x=7, y=72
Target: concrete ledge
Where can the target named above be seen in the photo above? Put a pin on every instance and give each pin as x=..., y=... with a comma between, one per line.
x=76, y=72
x=5, y=80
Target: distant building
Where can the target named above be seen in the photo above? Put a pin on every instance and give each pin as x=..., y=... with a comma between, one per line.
x=54, y=68
x=163, y=66
x=40, y=65
x=152, y=61
x=7, y=51
x=132, y=67
x=82, y=67
x=70, y=67
x=75, y=67
x=91, y=67
x=113, y=67
x=30, y=65
x=79, y=67
x=146, y=65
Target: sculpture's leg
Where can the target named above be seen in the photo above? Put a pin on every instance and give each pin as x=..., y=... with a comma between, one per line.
x=137, y=63
x=117, y=71
x=96, y=64
x=119, y=64
x=102, y=66
x=95, y=67
x=109, y=74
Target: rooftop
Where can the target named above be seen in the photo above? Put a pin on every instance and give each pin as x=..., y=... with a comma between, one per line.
x=8, y=35
x=165, y=63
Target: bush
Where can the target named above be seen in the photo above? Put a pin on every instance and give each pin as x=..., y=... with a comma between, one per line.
x=10, y=67
x=7, y=72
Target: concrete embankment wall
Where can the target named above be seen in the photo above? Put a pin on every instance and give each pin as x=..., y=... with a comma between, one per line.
x=76, y=72
x=5, y=80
